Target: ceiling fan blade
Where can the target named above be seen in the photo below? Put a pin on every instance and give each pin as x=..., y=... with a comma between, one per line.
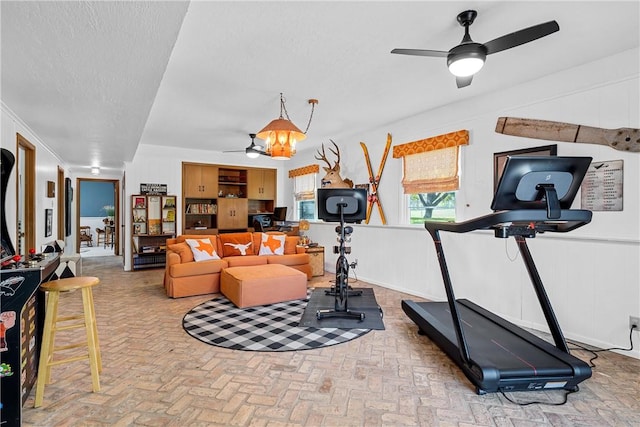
x=521, y=37
x=256, y=149
x=421, y=52
x=463, y=81
x=252, y=148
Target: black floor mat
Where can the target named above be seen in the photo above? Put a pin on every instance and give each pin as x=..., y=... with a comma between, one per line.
x=365, y=303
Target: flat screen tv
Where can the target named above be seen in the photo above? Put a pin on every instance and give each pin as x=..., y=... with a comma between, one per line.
x=353, y=202
x=534, y=182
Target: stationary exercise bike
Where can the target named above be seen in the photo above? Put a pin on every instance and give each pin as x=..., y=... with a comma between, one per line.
x=342, y=265
x=343, y=205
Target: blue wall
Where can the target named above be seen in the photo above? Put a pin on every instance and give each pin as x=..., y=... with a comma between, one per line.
x=94, y=195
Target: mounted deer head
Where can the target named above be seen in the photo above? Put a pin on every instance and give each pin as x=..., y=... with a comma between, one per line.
x=332, y=179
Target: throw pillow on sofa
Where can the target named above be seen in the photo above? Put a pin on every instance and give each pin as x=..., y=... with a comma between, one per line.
x=184, y=250
x=202, y=249
x=272, y=244
x=236, y=244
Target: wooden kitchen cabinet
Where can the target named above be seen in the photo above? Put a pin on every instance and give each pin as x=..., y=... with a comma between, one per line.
x=225, y=197
x=261, y=184
x=199, y=180
x=232, y=213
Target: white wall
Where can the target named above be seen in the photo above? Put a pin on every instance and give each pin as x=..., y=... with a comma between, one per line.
x=592, y=275
x=46, y=170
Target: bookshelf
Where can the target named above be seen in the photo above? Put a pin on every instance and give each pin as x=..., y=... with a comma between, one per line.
x=153, y=219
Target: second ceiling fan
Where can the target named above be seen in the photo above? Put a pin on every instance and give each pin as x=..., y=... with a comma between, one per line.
x=253, y=150
x=467, y=58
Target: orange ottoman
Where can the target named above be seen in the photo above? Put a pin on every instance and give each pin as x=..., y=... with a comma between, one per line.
x=248, y=286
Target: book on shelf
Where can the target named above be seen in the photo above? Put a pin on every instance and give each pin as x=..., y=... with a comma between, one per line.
x=169, y=228
x=169, y=203
x=199, y=227
x=202, y=208
x=154, y=226
x=140, y=203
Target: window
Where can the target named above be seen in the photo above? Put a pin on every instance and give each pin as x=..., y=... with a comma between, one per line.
x=306, y=209
x=304, y=195
x=430, y=176
x=304, y=192
x=432, y=206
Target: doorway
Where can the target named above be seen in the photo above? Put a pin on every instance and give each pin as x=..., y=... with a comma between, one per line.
x=25, y=186
x=97, y=216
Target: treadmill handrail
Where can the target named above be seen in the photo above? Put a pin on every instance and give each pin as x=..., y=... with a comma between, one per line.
x=569, y=220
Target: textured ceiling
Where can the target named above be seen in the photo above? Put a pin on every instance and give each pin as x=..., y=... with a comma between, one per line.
x=95, y=79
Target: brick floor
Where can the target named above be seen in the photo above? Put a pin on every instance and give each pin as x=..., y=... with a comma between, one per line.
x=156, y=375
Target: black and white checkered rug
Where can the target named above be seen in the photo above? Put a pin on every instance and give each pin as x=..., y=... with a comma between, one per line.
x=272, y=327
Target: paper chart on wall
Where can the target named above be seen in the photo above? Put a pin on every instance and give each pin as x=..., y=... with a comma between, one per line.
x=602, y=186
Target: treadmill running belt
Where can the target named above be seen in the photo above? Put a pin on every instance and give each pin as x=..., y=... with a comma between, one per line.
x=503, y=356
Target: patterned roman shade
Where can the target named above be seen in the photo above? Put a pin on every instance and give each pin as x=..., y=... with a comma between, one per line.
x=304, y=182
x=431, y=164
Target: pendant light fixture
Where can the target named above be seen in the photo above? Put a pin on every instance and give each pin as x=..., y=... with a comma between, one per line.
x=281, y=135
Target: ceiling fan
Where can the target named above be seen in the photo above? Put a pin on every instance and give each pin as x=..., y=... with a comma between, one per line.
x=467, y=58
x=253, y=150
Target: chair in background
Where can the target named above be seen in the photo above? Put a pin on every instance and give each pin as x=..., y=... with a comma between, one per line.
x=102, y=236
x=257, y=226
x=262, y=223
x=85, y=235
x=109, y=232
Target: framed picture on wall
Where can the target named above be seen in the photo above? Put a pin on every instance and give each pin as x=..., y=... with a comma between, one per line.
x=499, y=159
x=48, y=222
x=68, y=198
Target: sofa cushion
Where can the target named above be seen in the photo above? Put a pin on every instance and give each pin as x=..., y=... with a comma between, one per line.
x=182, y=238
x=213, y=266
x=272, y=244
x=236, y=244
x=203, y=249
x=293, y=259
x=290, y=245
x=240, y=261
x=183, y=250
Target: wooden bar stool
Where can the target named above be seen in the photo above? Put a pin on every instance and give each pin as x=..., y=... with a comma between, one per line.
x=51, y=326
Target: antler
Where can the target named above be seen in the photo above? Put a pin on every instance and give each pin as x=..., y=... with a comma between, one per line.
x=336, y=166
x=323, y=157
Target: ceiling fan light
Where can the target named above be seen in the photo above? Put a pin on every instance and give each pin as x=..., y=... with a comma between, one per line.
x=464, y=67
x=466, y=59
x=252, y=154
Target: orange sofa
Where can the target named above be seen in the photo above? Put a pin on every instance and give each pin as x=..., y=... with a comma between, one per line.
x=185, y=277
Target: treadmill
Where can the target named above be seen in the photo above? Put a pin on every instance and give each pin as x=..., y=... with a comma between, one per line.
x=534, y=195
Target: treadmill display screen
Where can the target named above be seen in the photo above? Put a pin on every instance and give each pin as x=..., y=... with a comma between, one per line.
x=522, y=183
